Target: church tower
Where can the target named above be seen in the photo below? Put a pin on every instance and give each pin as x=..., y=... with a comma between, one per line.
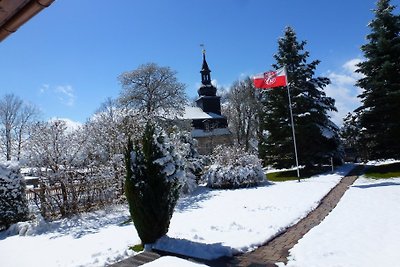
x=210, y=127
x=208, y=100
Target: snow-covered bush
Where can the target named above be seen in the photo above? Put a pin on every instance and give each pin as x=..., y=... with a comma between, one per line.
x=186, y=147
x=233, y=168
x=13, y=204
x=74, y=176
x=154, y=176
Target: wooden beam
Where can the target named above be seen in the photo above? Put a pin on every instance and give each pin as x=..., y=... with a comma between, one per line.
x=24, y=14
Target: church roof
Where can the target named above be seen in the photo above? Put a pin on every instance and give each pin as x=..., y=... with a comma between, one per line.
x=204, y=67
x=193, y=113
x=206, y=87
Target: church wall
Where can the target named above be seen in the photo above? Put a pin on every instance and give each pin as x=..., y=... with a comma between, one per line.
x=207, y=144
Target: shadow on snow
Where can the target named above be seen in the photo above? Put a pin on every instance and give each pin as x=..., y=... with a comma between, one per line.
x=366, y=186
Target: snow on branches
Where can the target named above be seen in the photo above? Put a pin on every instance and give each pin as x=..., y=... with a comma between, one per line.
x=154, y=177
x=13, y=204
x=234, y=168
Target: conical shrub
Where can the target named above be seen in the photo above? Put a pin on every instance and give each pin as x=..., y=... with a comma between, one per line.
x=153, y=180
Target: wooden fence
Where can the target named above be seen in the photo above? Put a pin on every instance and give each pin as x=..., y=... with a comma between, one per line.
x=71, y=196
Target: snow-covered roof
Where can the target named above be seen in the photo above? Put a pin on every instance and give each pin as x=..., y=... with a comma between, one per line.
x=215, y=116
x=193, y=113
x=214, y=132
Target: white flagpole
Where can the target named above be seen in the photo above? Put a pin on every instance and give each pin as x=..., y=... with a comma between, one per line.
x=291, y=119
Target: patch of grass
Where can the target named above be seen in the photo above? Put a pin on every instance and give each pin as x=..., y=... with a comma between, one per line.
x=282, y=176
x=383, y=171
x=292, y=175
x=137, y=248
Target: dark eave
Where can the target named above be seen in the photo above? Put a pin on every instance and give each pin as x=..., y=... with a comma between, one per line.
x=14, y=13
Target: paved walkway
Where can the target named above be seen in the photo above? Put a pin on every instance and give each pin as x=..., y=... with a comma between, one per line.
x=137, y=260
x=277, y=249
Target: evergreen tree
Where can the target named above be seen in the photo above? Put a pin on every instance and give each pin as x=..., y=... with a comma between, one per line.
x=13, y=204
x=381, y=97
x=350, y=134
x=316, y=135
x=153, y=181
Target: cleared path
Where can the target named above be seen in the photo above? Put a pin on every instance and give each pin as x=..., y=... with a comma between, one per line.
x=277, y=249
x=137, y=260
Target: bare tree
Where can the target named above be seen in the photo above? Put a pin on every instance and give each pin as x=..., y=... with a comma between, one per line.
x=110, y=127
x=242, y=112
x=105, y=130
x=15, y=119
x=70, y=180
x=26, y=116
x=10, y=106
x=153, y=90
x=53, y=147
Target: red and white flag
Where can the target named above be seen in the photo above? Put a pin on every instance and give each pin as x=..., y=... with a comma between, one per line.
x=270, y=79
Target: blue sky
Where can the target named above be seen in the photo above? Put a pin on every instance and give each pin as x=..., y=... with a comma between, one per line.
x=66, y=60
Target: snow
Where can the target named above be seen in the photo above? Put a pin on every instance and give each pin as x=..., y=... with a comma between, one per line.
x=92, y=239
x=13, y=205
x=381, y=162
x=326, y=132
x=169, y=261
x=361, y=231
x=212, y=223
x=193, y=113
x=236, y=221
x=304, y=114
x=233, y=168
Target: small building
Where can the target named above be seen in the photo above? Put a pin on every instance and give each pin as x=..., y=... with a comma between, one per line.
x=210, y=127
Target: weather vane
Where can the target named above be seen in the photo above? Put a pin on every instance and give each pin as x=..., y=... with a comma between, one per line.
x=204, y=50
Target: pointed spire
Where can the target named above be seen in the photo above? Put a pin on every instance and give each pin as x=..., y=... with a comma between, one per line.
x=205, y=71
x=206, y=88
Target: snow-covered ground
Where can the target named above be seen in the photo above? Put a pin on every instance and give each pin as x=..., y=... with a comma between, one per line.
x=169, y=261
x=214, y=223
x=361, y=231
x=91, y=239
x=207, y=224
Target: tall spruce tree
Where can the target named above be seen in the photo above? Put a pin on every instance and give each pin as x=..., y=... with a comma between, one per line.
x=380, y=108
x=317, y=137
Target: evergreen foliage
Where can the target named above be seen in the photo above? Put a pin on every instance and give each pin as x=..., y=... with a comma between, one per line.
x=13, y=204
x=153, y=181
x=316, y=135
x=381, y=96
x=351, y=133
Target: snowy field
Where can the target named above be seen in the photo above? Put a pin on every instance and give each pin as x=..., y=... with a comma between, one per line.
x=207, y=224
x=361, y=231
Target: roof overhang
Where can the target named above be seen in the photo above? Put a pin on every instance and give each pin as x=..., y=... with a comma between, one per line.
x=14, y=13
